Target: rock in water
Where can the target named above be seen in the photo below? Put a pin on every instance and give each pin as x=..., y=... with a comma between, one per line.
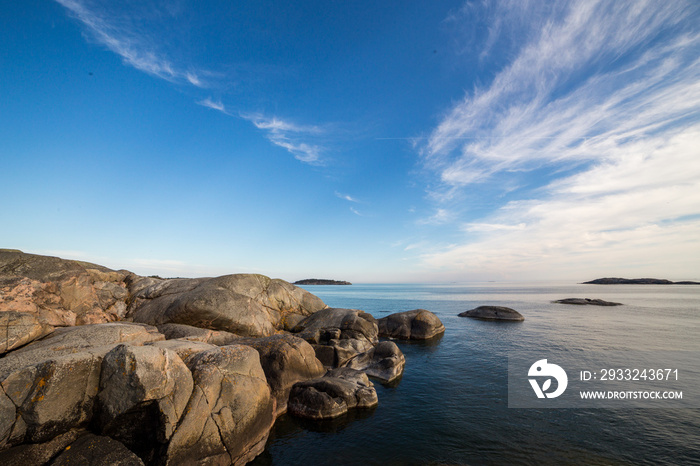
x=418, y=324
x=587, y=301
x=332, y=395
x=493, y=313
x=352, y=323
x=384, y=362
x=244, y=304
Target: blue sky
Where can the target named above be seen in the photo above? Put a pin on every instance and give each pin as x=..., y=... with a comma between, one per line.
x=383, y=141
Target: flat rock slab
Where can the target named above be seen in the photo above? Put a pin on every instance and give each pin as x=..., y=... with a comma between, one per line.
x=493, y=313
x=587, y=301
x=95, y=450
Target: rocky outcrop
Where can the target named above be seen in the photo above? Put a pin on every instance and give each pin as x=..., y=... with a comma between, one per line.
x=286, y=360
x=587, y=301
x=107, y=367
x=493, y=313
x=61, y=292
x=418, y=324
x=332, y=395
x=244, y=304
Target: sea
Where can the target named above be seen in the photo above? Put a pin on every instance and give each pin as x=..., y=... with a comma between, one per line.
x=451, y=405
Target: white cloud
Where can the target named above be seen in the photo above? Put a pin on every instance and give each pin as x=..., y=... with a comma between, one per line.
x=439, y=217
x=346, y=197
x=134, y=44
x=290, y=136
x=355, y=211
x=215, y=105
x=604, y=98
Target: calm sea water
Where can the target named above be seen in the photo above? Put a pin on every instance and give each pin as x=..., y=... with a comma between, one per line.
x=451, y=406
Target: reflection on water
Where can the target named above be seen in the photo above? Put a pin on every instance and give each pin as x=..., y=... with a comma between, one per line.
x=451, y=405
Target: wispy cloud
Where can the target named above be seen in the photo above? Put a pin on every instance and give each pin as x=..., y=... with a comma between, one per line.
x=214, y=105
x=603, y=98
x=346, y=197
x=290, y=136
x=440, y=216
x=128, y=38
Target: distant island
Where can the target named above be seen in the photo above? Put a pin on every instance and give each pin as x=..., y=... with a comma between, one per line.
x=321, y=281
x=636, y=281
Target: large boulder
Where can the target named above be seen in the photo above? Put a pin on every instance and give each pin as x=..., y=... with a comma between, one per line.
x=384, y=362
x=229, y=415
x=19, y=328
x=143, y=394
x=493, y=313
x=49, y=386
x=418, y=324
x=61, y=292
x=286, y=360
x=332, y=395
x=244, y=304
x=352, y=323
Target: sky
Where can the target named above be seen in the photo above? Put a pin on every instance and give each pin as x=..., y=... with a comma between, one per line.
x=390, y=142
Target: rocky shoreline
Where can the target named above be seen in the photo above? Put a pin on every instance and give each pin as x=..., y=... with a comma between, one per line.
x=100, y=366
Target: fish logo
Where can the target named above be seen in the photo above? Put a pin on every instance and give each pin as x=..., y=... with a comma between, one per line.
x=543, y=369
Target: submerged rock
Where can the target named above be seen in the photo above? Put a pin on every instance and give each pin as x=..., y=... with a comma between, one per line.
x=332, y=395
x=418, y=324
x=587, y=301
x=493, y=313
